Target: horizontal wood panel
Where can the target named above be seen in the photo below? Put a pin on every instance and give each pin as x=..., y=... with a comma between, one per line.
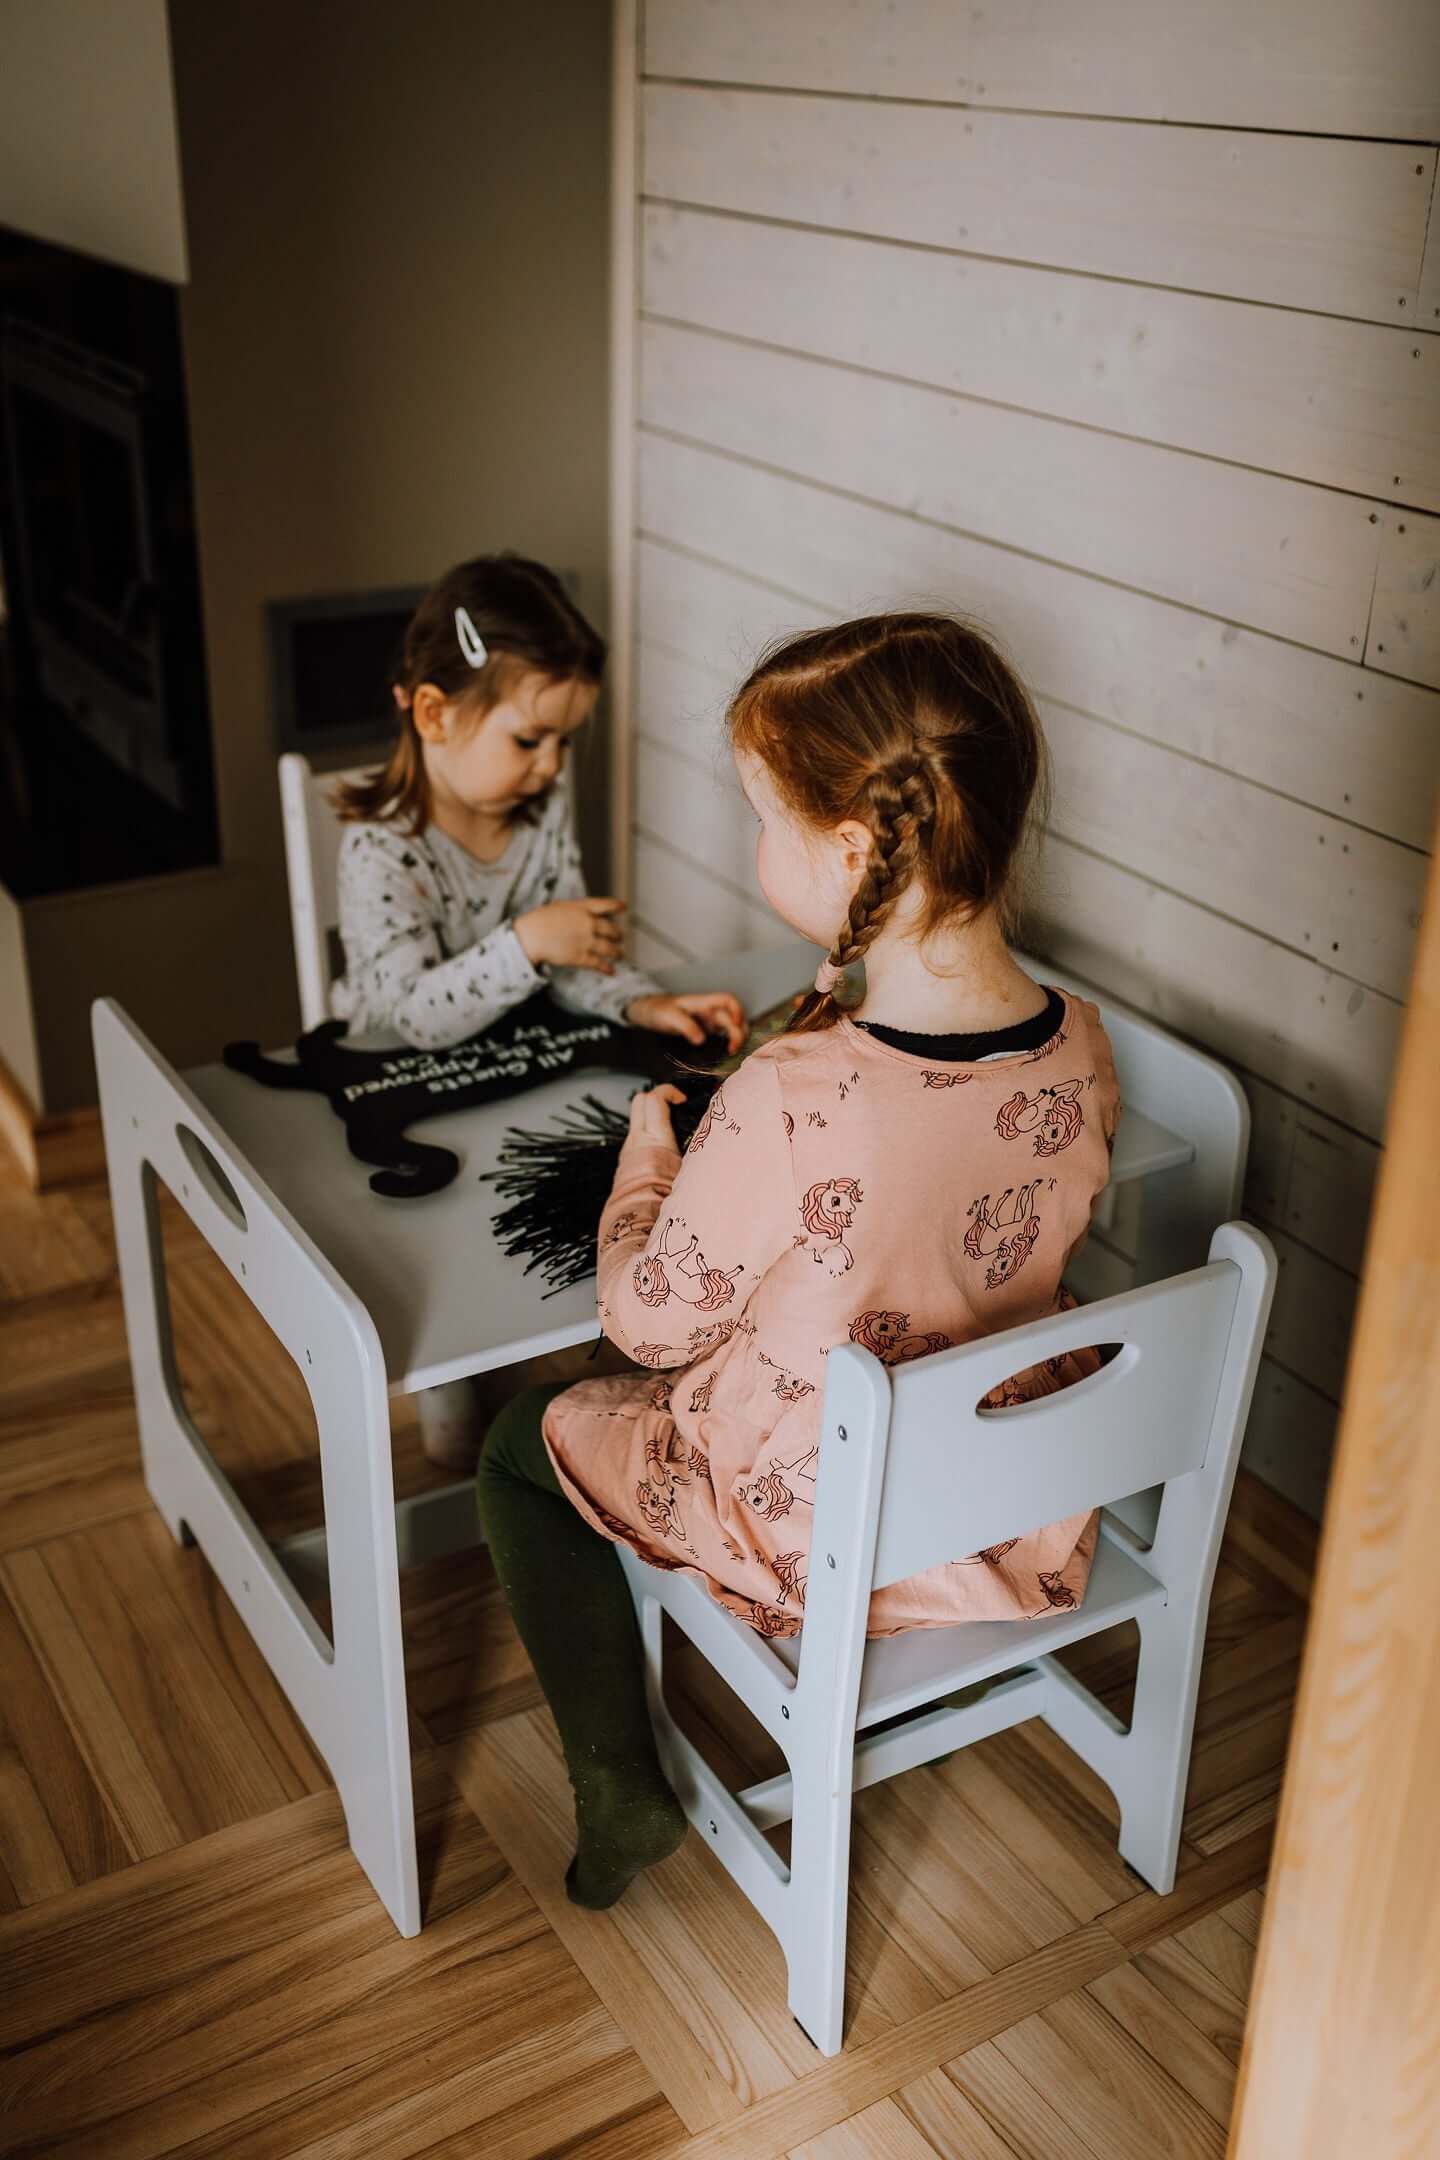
x=1314, y=1306
x=1327, y=889
x=1286, y=1018
x=680, y=703
x=1334, y=735
x=1309, y=1175
x=1227, y=64
x=1291, y=1429
x=700, y=810
x=1343, y=229
x=1281, y=556
x=1290, y=1437
x=1216, y=376
x=649, y=949
x=712, y=619
x=702, y=914
x=1313, y=1032
x=1312, y=1317
x=1429, y=302
x=1404, y=634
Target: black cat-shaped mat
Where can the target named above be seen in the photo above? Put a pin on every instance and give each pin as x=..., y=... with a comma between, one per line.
x=379, y=1093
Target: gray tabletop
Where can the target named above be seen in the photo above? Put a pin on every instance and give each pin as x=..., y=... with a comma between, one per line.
x=445, y=1299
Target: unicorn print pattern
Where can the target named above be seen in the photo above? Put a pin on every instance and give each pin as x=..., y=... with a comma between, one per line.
x=1054, y=1117
x=823, y=1212
x=827, y=1211
x=1004, y=1234
x=676, y=1269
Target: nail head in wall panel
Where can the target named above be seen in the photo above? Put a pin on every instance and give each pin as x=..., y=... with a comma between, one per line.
x=1367, y=70
x=1330, y=734
x=1343, y=229
x=1346, y=404
x=1334, y=893
x=1295, y=560
x=1404, y=634
x=1224, y=987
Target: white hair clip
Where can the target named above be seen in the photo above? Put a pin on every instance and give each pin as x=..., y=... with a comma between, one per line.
x=471, y=643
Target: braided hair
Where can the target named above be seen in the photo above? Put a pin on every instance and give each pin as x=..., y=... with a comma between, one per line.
x=917, y=727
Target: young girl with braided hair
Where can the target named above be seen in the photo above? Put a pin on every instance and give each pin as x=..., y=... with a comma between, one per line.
x=907, y=1168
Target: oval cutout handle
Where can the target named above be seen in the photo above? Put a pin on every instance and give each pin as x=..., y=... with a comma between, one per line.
x=211, y=1176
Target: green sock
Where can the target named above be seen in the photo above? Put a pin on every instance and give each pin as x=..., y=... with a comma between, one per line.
x=564, y=1585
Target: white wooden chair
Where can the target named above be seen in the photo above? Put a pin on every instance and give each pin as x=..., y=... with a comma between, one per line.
x=312, y=853
x=912, y=1473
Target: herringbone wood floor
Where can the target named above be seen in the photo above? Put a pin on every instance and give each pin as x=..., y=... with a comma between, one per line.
x=194, y=1965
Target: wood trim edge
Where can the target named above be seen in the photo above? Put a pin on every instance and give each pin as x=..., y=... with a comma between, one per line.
x=52, y=1152
x=624, y=258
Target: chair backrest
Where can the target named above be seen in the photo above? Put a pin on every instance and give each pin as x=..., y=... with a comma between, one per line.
x=1189, y=1094
x=312, y=852
x=913, y=1472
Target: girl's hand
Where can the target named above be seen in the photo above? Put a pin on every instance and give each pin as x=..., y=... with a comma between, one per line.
x=693, y=1015
x=573, y=933
x=650, y=1120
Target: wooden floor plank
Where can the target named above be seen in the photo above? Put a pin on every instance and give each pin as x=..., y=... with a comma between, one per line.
x=882, y=2132
x=951, y=2123
x=1020, y=2111
x=46, y=1245
x=1171, y=2038
x=1114, y=2096
x=508, y=1773
x=850, y=2082
x=207, y=1972
x=40, y=1747
x=306, y=1975
x=1191, y=1982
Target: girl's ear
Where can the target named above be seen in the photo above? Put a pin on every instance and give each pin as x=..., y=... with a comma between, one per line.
x=430, y=711
x=856, y=840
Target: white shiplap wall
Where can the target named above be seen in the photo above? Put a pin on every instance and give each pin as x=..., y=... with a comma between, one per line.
x=1120, y=330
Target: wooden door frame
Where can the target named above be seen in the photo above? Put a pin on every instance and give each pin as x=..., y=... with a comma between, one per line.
x=1342, y=2049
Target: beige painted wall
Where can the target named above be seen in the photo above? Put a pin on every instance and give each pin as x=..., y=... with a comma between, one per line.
x=87, y=130
x=17, y=1022
x=395, y=339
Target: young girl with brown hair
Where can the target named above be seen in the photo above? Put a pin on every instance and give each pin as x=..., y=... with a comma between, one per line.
x=460, y=885
x=906, y=1171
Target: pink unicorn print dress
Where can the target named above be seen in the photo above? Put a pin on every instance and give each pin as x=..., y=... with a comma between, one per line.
x=838, y=1190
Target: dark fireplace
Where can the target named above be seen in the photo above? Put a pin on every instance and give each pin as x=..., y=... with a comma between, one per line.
x=105, y=767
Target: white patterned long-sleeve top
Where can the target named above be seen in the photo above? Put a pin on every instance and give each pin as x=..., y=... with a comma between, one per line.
x=431, y=952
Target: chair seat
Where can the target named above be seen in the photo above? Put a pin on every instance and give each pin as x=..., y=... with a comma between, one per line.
x=903, y=1671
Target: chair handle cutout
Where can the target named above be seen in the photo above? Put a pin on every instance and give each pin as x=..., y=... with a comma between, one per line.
x=1115, y=1359
x=211, y=1176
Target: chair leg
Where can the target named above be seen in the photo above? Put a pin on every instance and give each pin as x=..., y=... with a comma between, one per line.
x=816, y=1900
x=1156, y=1753
x=452, y=1425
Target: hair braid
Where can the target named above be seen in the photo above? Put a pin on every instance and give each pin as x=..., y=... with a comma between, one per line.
x=898, y=804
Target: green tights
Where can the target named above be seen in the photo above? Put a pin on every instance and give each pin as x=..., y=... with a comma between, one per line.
x=568, y=1596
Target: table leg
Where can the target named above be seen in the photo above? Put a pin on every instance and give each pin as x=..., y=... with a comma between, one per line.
x=348, y=1692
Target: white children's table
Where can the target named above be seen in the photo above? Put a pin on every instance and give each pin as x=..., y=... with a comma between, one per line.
x=375, y=1297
